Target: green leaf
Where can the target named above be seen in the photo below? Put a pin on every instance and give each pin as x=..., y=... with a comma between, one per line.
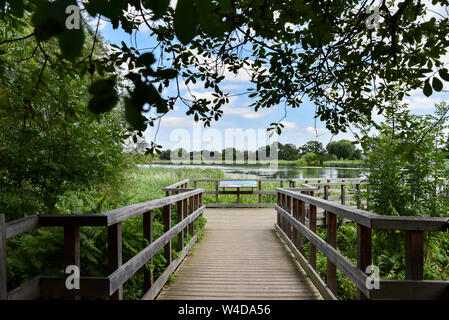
x=427, y=88
x=159, y=7
x=17, y=7
x=104, y=96
x=437, y=84
x=210, y=22
x=49, y=19
x=186, y=21
x=134, y=116
x=444, y=74
x=167, y=73
x=145, y=60
x=71, y=43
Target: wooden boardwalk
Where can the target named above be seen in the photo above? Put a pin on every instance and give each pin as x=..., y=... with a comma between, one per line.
x=240, y=257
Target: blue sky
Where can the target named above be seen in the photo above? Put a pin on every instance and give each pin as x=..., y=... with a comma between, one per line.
x=177, y=129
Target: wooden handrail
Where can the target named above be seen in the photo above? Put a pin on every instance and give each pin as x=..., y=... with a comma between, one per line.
x=119, y=272
x=292, y=218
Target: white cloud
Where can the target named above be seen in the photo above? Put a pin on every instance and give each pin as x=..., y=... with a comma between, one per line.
x=289, y=125
x=422, y=103
x=315, y=131
x=177, y=122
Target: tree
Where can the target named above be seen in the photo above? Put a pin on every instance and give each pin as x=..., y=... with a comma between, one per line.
x=50, y=143
x=342, y=149
x=165, y=155
x=288, y=152
x=332, y=52
x=313, y=146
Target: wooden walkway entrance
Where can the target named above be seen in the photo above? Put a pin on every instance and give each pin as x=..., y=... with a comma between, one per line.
x=240, y=257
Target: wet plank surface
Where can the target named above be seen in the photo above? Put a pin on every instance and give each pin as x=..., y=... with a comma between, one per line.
x=239, y=257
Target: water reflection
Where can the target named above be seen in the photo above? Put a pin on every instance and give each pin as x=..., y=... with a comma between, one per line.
x=282, y=172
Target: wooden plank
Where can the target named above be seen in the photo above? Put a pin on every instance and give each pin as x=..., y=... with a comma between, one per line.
x=176, y=185
x=410, y=223
x=240, y=257
x=353, y=214
x=148, y=235
x=166, y=215
x=352, y=272
x=259, y=187
x=22, y=225
x=332, y=240
x=124, y=213
x=61, y=220
x=163, y=278
x=30, y=290
x=3, y=270
x=325, y=292
x=115, y=258
x=122, y=274
x=364, y=252
x=414, y=255
x=240, y=205
x=412, y=290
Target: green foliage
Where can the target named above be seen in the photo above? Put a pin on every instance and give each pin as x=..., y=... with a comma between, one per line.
x=342, y=149
x=310, y=158
x=50, y=143
x=313, y=146
x=282, y=45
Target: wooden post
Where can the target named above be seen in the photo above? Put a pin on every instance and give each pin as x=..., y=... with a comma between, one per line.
x=325, y=197
x=414, y=255
x=216, y=191
x=148, y=235
x=288, y=227
x=312, y=227
x=72, y=248
x=191, y=210
x=357, y=186
x=343, y=195
x=166, y=214
x=186, y=213
x=302, y=219
x=364, y=249
x=238, y=195
x=280, y=205
x=3, y=270
x=115, y=259
x=295, y=213
x=194, y=184
x=180, y=217
x=282, y=183
x=259, y=186
x=332, y=240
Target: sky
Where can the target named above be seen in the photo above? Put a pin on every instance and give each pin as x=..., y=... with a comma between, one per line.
x=179, y=130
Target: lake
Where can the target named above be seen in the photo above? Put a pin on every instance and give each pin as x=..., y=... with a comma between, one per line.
x=267, y=172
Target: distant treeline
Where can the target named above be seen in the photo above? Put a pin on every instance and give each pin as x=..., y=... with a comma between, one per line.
x=307, y=153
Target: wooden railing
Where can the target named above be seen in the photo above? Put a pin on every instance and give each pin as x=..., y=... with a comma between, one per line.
x=296, y=220
x=345, y=191
x=189, y=208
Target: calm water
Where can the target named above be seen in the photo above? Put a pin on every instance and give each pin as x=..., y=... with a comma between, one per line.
x=281, y=172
